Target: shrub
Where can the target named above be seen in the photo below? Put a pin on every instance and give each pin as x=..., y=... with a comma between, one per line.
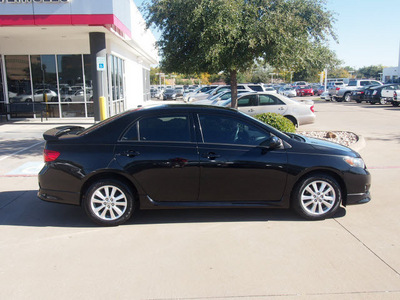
x=277, y=121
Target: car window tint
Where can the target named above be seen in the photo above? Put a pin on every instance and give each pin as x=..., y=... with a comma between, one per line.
x=224, y=130
x=160, y=129
x=268, y=100
x=248, y=100
x=131, y=134
x=256, y=88
x=226, y=96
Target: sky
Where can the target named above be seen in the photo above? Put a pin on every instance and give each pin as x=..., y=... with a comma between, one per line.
x=368, y=31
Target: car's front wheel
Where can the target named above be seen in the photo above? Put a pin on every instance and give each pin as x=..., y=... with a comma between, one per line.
x=316, y=197
x=109, y=202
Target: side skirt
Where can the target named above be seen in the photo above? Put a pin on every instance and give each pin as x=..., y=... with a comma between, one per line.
x=147, y=203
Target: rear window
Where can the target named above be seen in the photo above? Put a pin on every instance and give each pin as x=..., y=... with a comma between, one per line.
x=256, y=88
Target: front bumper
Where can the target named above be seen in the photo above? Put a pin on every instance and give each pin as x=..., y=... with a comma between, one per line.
x=358, y=198
x=358, y=187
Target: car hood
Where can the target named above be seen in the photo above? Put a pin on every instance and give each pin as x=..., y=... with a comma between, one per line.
x=329, y=147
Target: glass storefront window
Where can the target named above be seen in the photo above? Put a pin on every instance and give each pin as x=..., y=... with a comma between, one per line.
x=1, y=82
x=70, y=76
x=56, y=86
x=117, y=84
x=3, y=109
x=22, y=101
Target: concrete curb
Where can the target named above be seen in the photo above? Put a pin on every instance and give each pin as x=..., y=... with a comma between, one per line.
x=359, y=145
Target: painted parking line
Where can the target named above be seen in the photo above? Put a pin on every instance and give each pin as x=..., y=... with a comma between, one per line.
x=384, y=168
x=19, y=151
x=29, y=168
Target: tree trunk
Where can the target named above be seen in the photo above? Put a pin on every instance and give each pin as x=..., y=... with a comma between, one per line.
x=233, y=74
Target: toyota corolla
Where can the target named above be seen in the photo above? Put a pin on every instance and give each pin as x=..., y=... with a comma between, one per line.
x=176, y=156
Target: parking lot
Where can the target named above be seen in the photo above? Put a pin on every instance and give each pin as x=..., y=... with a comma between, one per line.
x=53, y=251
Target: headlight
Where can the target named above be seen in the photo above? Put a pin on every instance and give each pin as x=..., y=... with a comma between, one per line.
x=354, y=162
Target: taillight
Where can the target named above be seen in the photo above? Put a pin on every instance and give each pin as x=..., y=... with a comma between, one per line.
x=312, y=108
x=338, y=88
x=50, y=155
x=394, y=95
x=374, y=93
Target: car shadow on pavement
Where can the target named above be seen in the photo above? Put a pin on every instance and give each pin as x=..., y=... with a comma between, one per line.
x=23, y=208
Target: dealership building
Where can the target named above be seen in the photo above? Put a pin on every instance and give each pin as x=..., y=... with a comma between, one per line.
x=73, y=58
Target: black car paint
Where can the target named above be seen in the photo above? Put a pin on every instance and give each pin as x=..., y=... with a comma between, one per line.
x=162, y=175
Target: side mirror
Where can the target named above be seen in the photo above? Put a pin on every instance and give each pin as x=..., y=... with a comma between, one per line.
x=272, y=143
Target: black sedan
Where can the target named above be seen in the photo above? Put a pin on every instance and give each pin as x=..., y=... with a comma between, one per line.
x=358, y=95
x=169, y=94
x=175, y=156
x=374, y=95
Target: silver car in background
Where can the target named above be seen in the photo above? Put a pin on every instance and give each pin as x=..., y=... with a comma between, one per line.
x=299, y=113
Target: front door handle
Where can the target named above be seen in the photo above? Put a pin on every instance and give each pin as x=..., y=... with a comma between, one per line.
x=211, y=155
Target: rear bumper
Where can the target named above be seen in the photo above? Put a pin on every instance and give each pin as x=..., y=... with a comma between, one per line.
x=59, y=196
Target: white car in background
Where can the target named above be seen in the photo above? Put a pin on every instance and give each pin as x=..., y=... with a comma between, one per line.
x=288, y=91
x=299, y=113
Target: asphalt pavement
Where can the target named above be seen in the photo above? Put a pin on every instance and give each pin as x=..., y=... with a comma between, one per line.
x=53, y=251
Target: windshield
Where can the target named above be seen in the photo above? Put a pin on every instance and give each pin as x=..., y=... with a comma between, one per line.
x=216, y=96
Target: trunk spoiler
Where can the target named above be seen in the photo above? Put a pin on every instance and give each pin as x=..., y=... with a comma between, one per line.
x=55, y=133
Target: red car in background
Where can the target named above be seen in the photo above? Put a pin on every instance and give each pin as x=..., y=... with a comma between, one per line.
x=305, y=91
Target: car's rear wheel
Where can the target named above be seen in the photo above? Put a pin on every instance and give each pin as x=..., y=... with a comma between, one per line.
x=347, y=97
x=316, y=197
x=109, y=202
x=293, y=120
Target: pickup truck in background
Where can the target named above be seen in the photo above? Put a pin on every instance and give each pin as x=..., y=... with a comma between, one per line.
x=343, y=93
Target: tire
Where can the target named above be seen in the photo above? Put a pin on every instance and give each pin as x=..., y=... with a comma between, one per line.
x=383, y=101
x=358, y=101
x=347, y=97
x=395, y=104
x=29, y=100
x=338, y=99
x=317, y=197
x=109, y=202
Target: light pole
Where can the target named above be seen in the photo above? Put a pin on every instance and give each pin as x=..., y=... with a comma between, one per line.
x=272, y=77
x=173, y=80
x=160, y=75
x=291, y=76
x=351, y=74
x=380, y=76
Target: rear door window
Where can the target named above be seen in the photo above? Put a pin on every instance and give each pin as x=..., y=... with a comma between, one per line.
x=269, y=100
x=174, y=128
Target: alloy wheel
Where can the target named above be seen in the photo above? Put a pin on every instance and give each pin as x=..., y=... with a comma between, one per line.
x=108, y=203
x=318, y=197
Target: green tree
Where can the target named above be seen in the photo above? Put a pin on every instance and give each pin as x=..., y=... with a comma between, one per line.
x=228, y=35
x=370, y=72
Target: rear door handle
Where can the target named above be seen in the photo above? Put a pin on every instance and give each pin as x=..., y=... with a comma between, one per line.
x=211, y=155
x=131, y=153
